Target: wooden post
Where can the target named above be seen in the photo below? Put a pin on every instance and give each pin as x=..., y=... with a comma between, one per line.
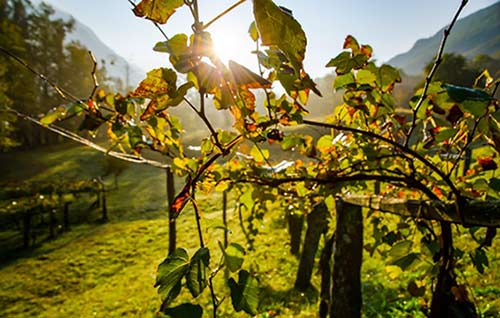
x=346, y=276
x=295, y=226
x=224, y=217
x=171, y=218
x=66, y=216
x=325, y=266
x=317, y=224
x=444, y=302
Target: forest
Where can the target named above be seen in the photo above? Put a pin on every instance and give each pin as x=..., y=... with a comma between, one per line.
x=216, y=189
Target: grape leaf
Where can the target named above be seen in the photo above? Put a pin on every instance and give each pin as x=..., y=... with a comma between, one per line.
x=277, y=27
x=244, y=293
x=170, y=273
x=157, y=10
x=234, y=256
x=243, y=76
x=460, y=94
x=196, y=277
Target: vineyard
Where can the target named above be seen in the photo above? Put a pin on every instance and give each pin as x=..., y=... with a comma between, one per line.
x=375, y=210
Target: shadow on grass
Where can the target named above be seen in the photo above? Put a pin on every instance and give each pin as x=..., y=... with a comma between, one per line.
x=380, y=301
x=12, y=250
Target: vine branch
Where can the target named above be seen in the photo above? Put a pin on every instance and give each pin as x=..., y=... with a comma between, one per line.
x=77, y=138
x=93, y=74
x=223, y=13
x=437, y=62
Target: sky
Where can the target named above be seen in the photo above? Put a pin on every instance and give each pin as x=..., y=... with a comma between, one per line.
x=389, y=26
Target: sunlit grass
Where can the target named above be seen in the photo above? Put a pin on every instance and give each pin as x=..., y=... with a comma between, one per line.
x=108, y=270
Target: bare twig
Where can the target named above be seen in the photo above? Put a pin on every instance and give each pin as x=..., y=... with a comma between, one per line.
x=94, y=75
x=437, y=62
x=470, y=138
x=223, y=13
x=72, y=136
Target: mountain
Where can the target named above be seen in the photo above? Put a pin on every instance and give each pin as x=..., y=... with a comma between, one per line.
x=116, y=66
x=478, y=33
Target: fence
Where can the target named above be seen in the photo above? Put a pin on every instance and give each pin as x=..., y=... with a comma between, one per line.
x=24, y=203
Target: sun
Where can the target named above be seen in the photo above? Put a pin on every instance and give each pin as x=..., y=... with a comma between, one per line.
x=231, y=45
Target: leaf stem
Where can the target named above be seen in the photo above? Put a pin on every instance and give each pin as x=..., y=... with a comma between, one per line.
x=261, y=72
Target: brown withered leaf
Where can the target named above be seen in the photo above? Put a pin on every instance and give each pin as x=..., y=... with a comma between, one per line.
x=181, y=199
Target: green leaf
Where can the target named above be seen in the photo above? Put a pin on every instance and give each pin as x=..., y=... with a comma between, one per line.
x=405, y=261
x=178, y=96
x=475, y=107
x=158, y=82
x=253, y=32
x=259, y=155
x=479, y=259
x=495, y=184
x=342, y=62
x=157, y=11
x=53, y=115
x=400, y=249
x=196, y=277
x=247, y=199
x=244, y=293
x=291, y=141
x=184, y=311
x=496, y=115
x=91, y=122
x=325, y=143
x=460, y=94
x=302, y=190
x=176, y=45
x=134, y=136
x=359, y=60
x=445, y=134
x=242, y=76
x=170, y=273
x=278, y=27
x=234, y=256
x=365, y=77
x=343, y=80
x=387, y=76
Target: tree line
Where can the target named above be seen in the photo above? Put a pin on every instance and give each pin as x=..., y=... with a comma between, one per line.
x=32, y=33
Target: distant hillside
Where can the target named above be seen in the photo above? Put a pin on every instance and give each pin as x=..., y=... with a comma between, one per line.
x=116, y=65
x=478, y=33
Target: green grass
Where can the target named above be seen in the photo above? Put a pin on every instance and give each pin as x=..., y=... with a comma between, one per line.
x=108, y=270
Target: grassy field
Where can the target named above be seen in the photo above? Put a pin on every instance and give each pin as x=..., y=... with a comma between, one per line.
x=108, y=270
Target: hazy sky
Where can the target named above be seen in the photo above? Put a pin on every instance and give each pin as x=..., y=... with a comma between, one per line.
x=389, y=26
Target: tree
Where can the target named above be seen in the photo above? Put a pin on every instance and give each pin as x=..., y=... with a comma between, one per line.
x=32, y=34
x=455, y=69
